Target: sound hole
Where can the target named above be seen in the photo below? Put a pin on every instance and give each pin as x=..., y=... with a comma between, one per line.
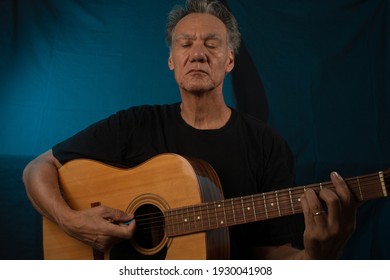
x=150, y=226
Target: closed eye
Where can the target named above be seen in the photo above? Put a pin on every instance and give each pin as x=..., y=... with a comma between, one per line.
x=211, y=46
x=212, y=43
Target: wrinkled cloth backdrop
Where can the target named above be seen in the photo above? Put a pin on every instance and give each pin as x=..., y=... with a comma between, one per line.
x=317, y=71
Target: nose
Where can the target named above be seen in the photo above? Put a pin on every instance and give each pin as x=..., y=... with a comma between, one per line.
x=198, y=54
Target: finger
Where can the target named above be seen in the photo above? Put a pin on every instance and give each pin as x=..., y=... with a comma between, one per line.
x=341, y=188
x=119, y=224
x=305, y=208
x=116, y=215
x=313, y=201
x=333, y=205
x=122, y=231
x=314, y=209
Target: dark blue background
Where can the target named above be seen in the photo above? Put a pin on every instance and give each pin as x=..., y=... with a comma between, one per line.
x=321, y=69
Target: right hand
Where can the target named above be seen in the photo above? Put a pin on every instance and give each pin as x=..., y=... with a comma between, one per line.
x=99, y=227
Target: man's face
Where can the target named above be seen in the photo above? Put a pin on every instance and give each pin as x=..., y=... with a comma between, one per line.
x=200, y=56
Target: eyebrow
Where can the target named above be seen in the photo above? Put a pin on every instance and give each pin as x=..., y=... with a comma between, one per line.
x=188, y=36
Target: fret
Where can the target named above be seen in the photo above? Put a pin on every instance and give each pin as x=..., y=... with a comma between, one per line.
x=383, y=185
x=168, y=224
x=185, y=220
x=228, y=210
x=259, y=211
x=195, y=221
x=243, y=210
x=296, y=199
x=208, y=215
x=247, y=203
x=265, y=206
x=291, y=201
x=194, y=217
x=272, y=206
x=277, y=202
x=174, y=222
x=213, y=215
x=237, y=208
x=201, y=216
x=179, y=223
x=254, y=208
x=234, y=213
x=360, y=188
x=222, y=222
x=216, y=215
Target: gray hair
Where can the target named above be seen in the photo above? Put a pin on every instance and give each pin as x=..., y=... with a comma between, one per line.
x=212, y=7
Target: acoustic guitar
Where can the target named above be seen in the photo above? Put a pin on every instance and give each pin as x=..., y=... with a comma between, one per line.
x=178, y=206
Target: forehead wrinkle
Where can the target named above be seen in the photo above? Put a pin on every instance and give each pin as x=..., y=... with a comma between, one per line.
x=185, y=36
x=213, y=36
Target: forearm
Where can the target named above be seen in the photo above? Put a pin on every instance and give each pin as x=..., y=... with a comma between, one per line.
x=283, y=252
x=41, y=181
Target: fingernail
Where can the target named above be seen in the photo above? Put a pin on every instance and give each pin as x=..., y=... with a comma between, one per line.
x=337, y=175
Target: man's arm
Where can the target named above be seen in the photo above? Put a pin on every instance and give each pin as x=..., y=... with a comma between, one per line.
x=92, y=226
x=40, y=178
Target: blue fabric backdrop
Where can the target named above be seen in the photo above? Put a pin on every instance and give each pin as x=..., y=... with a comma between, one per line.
x=318, y=71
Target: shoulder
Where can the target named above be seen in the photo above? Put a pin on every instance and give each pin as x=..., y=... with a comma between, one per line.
x=143, y=111
x=258, y=128
x=263, y=139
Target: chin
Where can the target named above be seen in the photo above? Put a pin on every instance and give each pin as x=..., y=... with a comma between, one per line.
x=198, y=89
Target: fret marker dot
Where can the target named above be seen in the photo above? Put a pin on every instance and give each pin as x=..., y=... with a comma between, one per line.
x=198, y=217
x=185, y=220
x=272, y=204
x=219, y=205
x=299, y=199
x=221, y=222
x=248, y=208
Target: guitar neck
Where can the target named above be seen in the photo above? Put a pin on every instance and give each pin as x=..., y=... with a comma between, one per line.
x=246, y=209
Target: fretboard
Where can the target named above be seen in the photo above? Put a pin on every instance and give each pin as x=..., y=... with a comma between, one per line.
x=269, y=205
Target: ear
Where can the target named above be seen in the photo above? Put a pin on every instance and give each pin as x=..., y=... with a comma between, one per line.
x=170, y=62
x=230, y=61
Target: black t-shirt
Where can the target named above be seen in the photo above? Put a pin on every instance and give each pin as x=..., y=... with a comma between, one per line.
x=248, y=156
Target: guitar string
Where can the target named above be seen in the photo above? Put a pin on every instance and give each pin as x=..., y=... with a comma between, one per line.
x=281, y=196
x=161, y=218
x=282, y=199
x=299, y=189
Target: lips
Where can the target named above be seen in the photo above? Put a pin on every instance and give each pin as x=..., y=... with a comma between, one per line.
x=197, y=71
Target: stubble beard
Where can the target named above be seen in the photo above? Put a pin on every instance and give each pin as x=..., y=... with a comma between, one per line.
x=197, y=87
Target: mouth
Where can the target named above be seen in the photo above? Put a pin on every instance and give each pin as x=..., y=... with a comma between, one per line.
x=197, y=72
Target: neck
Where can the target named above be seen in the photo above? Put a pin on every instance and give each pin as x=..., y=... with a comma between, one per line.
x=203, y=112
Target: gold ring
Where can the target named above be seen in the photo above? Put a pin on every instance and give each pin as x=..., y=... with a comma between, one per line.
x=319, y=213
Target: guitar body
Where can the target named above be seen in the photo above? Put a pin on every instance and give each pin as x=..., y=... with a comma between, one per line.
x=178, y=206
x=165, y=182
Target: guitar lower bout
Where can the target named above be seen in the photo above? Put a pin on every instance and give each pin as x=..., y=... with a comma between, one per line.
x=151, y=191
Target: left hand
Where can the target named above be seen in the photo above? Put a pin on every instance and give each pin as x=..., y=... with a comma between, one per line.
x=326, y=232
